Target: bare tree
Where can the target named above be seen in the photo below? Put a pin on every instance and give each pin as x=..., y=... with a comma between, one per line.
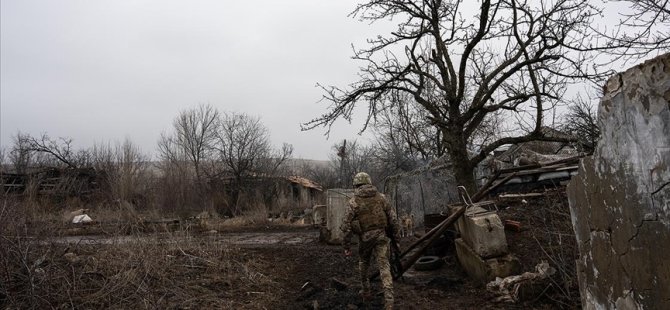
x=195, y=134
x=273, y=163
x=125, y=168
x=404, y=132
x=244, y=149
x=20, y=154
x=325, y=175
x=28, y=151
x=132, y=173
x=355, y=158
x=169, y=150
x=581, y=121
x=59, y=150
x=187, y=156
x=643, y=29
x=176, y=184
x=463, y=65
x=2, y=158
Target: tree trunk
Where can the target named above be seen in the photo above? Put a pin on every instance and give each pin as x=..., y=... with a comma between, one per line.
x=463, y=171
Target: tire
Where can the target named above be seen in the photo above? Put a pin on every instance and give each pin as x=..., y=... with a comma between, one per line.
x=426, y=263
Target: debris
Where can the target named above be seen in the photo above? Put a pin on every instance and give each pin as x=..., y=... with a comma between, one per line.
x=69, y=216
x=80, y=219
x=306, y=285
x=426, y=263
x=534, y=176
x=338, y=284
x=521, y=287
x=431, y=236
x=490, y=187
x=513, y=225
x=520, y=196
x=308, y=290
x=53, y=181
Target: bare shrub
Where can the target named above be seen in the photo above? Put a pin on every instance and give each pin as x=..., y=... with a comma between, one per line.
x=257, y=214
x=126, y=170
x=549, y=237
x=139, y=273
x=41, y=269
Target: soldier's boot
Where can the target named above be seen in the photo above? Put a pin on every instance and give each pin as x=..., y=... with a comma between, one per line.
x=365, y=292
x=388, y=301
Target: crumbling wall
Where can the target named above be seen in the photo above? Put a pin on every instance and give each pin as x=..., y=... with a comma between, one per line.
x=620, y=200
x=424, y=191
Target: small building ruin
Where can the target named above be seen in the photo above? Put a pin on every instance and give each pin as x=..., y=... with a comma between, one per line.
x=276, y=193
x=54, y=182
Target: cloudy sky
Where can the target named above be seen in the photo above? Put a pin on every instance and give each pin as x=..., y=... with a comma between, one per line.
x=99, y=71
x=106, y=70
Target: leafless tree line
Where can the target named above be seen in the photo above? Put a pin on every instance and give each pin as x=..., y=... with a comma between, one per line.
x=208, y=148
x=205, y=161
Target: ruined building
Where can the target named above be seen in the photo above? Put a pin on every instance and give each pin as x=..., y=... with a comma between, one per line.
x=620, y=201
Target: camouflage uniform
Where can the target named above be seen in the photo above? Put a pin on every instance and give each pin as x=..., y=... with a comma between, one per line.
x=368, y=215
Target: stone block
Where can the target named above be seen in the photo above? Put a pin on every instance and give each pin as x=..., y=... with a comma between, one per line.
x=484, y=270
x=472, y=210
x=484, y=233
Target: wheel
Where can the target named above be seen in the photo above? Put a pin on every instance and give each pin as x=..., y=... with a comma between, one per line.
x=428, y=263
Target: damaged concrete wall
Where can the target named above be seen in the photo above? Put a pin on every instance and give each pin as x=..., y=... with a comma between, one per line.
x=424, y=191
x=620, y=202
x=337, y=202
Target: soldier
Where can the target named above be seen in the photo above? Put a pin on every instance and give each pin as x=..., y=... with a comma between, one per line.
x=374, y=215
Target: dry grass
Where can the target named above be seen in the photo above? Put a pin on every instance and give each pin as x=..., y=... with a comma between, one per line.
x=38, y=269
x=169, y=271
x=255, y=216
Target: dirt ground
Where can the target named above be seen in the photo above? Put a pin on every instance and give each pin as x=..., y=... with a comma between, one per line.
x=304, y=273
x=266, y=267
x=293, y=266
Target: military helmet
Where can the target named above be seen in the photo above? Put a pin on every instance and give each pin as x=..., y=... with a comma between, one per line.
x=362, y=178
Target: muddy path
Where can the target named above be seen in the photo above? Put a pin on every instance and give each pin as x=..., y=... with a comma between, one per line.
x=242, y=239
x=305, y=272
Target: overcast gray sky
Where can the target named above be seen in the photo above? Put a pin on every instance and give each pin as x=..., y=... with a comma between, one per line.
x=99, y=71
x=104, y=70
